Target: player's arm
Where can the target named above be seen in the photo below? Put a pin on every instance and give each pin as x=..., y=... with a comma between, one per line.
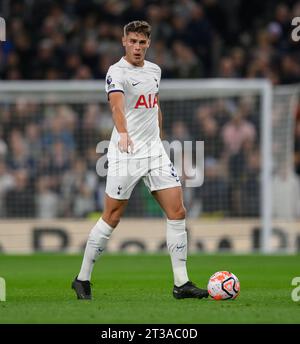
x=116, y=100
x=159, y=118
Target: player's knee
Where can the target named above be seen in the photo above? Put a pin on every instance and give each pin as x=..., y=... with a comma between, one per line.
x=112, y=219
x=177, y=214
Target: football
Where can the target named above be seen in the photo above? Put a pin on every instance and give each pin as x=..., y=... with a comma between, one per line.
x=223, y=285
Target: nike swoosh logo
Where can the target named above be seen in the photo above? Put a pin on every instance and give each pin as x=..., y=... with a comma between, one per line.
x=135, y=83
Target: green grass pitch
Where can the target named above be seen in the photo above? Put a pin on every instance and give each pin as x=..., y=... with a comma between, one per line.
x=135, y=289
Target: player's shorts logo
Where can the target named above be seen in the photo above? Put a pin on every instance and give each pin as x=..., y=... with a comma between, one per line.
x=119, y=189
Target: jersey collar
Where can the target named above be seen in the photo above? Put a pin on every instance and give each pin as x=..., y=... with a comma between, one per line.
x=127, y=64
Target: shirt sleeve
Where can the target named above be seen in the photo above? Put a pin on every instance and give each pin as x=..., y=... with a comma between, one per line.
x=114, y=81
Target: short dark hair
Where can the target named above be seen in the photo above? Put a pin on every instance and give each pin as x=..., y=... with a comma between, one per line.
x=139, y=26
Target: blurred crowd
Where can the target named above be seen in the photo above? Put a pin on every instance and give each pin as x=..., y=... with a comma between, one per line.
x=40, y=169
x=47, y=152
x=80, y=39
x=230, y=129
x=48, y=159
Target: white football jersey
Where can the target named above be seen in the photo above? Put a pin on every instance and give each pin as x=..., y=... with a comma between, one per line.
x=140, y=86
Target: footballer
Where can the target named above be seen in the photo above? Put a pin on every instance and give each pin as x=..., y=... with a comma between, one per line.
x=136, y=152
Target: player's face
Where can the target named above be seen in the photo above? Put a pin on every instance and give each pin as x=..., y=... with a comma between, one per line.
x=136, y=45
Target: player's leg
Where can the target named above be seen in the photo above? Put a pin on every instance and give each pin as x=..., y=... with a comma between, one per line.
x=97, y=242
x=171, y=201
x=119, y=186
x=100, y=234
x=164, y=183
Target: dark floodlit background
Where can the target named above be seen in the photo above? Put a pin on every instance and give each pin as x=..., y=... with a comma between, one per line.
x=47, y=151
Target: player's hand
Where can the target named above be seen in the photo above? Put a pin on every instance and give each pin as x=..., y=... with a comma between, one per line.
x=125, y=143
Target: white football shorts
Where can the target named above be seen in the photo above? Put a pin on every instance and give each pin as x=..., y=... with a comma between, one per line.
x=157, y=172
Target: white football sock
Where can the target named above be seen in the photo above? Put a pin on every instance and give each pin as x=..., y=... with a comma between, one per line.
x=96, y=244
x=177, y=247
